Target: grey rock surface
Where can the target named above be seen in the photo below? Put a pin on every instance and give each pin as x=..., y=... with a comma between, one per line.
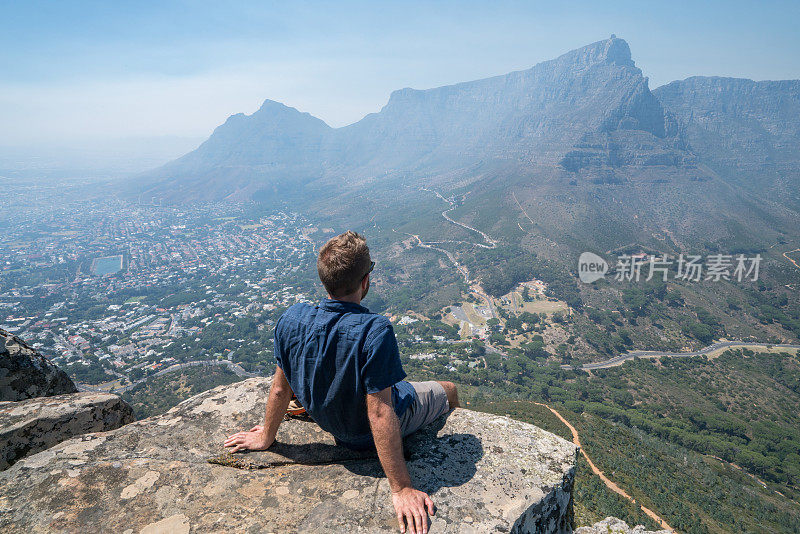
x=33, y=425
x=485, y=473
x=612, y=525
x=26, y=374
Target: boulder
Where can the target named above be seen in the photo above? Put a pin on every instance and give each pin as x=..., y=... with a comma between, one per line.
x=33, y=425
x=169, y=473
x=612, y=525
x=26, y=374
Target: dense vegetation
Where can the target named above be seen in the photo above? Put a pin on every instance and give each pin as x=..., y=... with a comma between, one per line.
x=711, y=444
x=592, y=500
x=693, y=492
x=159, y=394
x=504, y=267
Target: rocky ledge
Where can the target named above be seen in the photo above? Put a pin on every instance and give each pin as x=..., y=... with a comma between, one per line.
x=33, y=425
x=26, y=374
x=612, y=525
x=169, y=474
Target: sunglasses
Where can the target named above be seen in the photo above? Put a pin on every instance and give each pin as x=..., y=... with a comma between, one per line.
x=371, y=266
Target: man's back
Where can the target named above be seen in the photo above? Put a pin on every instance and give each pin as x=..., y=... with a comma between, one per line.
x=343, y=364
x=333, y=355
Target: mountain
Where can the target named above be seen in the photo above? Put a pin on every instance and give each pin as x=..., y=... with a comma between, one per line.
x=747, y=131
x=524, y=115
x=273, y=143
x=556, y=112
x=573, y=154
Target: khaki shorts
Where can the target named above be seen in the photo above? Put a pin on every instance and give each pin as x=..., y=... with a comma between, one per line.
x=431, y=403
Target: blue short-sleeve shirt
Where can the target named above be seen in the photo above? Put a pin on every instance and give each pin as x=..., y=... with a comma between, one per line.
x=333, y=355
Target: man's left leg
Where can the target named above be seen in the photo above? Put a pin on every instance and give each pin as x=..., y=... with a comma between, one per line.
x=433, y=401
x=452, y=394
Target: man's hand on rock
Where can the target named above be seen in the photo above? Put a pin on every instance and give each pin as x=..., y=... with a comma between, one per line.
x=253, y=440
x=412, y=507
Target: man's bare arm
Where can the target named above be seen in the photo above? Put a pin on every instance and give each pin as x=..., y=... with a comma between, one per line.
x=260, y=437
x=412, y=506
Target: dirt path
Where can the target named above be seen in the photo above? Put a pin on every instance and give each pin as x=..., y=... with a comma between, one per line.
x=609, y=484
x=522, y=209
x=790, y=259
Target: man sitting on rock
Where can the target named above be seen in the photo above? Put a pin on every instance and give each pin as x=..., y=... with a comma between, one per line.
x=342, y=363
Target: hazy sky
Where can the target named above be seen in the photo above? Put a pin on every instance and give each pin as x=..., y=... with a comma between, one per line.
x=73, y=72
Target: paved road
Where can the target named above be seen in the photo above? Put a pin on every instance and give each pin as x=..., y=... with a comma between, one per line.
x=237, y=369
x=492, y=242
x=474, y=285
x=617, y=360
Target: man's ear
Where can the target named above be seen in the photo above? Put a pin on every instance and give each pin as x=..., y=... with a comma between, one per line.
x=365, y=282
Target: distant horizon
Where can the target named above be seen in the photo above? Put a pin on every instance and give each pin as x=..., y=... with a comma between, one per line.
x=89, y=76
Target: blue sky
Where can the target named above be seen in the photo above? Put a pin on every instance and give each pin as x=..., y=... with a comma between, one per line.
x=77, y=72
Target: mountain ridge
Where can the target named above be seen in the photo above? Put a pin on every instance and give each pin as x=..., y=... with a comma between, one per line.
x=534, y=116
x=747, y=130
x=582, y=130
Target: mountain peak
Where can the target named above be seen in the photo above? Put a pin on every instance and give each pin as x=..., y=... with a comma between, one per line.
x=274, y=108
x=273, y=105
x=612, y=50
x=617, y=51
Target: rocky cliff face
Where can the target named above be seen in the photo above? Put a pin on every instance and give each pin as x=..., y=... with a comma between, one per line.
x=33, y=425
x=737, y=122
x=612, y=525
x=41, y=407
x=26, y=374
x=486, y=474
x=747, y=130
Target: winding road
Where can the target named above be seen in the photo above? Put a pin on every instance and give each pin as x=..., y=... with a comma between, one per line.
x=474, y=285
x=785, y=255
x=492, y=242
x=618, y=360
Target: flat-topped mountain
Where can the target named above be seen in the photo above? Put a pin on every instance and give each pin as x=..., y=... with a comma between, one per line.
x=748, y=131
x=531, y=117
